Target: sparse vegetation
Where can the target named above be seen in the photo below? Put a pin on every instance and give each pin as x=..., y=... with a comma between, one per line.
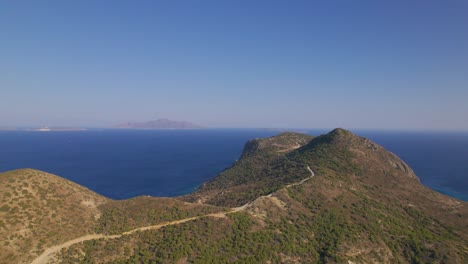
x=34, y=214
x=121, y=216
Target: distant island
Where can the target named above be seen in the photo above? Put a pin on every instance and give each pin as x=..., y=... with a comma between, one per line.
x=43, y=129
x=162, y=123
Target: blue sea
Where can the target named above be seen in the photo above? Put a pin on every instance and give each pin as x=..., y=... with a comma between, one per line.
x=122, y=164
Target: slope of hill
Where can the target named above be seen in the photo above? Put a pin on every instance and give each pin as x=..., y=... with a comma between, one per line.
x=336, y=198
x=159, y=124
x=39, y=210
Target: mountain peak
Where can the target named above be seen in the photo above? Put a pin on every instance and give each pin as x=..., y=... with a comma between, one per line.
x=354, y=150
x=341, y=132
x=266, y=164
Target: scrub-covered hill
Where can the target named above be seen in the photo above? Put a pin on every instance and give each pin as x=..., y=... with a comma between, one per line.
x=292, y=198
x=39, y=210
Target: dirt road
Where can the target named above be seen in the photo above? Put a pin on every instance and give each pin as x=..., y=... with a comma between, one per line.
x=50, y=252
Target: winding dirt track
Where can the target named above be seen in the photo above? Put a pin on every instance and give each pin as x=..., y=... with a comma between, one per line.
x=50, y=252
x=312, y=174
x=44, y=258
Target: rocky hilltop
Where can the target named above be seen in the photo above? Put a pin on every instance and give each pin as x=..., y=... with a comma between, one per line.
x=291, y=198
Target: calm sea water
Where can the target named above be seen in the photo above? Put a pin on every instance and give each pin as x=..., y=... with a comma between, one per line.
x=439, y=159
x=126, y=163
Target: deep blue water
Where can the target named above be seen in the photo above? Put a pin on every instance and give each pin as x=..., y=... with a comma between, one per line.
x=439, y=159
x=126, y=163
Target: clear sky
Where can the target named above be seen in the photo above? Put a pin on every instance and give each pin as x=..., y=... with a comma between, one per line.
x=309, y=64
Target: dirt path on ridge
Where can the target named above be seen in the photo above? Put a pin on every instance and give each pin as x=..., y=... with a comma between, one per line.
x=50, y=252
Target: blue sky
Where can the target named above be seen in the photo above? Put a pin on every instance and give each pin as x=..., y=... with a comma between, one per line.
x=308, y=64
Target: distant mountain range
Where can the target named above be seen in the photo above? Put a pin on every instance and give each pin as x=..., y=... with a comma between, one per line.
x=162, y=123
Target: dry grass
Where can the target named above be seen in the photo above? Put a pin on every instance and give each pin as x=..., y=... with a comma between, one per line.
x=39, y=210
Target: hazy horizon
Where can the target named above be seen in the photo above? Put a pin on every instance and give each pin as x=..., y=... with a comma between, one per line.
x=357, y=130
x=395, y=65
